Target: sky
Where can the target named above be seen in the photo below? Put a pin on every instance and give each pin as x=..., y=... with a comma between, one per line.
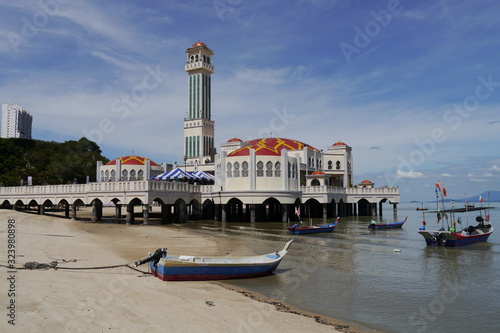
x=412, y=86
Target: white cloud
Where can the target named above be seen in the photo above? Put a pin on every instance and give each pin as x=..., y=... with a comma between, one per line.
x=408, y=174
x=494, y=169
x=446, y=175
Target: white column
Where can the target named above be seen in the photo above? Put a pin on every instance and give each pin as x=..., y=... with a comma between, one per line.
x=253, y=168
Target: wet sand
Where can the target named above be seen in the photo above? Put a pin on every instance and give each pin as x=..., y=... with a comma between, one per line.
x=125, y=300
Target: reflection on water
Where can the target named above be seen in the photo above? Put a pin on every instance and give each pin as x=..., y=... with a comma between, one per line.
x=355, y=274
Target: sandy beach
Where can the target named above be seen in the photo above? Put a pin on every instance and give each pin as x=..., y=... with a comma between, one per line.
x=121, y=299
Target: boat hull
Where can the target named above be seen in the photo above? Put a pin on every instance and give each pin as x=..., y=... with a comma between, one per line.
x=388, y=225
x=452, y=239
x=212, y=272
x=313, y=229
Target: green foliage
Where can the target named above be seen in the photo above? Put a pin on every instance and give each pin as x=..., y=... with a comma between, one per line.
x=48, y=162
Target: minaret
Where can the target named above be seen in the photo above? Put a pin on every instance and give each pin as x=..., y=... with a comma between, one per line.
x=198, y=125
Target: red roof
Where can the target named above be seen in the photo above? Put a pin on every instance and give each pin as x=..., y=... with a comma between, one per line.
x=366, y=181
x=318, y=173
x=271, y=146
x=234, y=140
x=340, y=143
x=132, y=160
x=199, y=44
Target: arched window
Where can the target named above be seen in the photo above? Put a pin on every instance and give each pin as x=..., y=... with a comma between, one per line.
x=260, y=169
x=140, y=175
x=277, y=171
x=113, y=175
x=269, y=169
x=124, y=175
x=289, y=170
x=244, y=172
x=192, y=59
x=294, y=171
x=315, y=182
x=106, y=176
x=236, y=169
x=229, y=168
x=330, y=165
x=196, y=58
x=338, y=165
x=132, y=174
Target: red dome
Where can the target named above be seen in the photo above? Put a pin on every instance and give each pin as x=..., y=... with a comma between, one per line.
x=199, y=44
x=271, y=146
x=235, y=140
x=132, y=160
x=318, y=173
x=366, y=182
x=340, y=143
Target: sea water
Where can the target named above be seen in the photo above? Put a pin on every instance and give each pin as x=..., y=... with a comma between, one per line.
x=387, y=280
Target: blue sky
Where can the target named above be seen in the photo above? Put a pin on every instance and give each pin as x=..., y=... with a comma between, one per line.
x=412, y=86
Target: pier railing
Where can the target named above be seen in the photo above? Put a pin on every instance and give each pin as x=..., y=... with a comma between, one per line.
x=349, y=190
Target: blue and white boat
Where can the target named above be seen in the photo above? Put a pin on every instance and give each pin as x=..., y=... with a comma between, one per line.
x=190, y=268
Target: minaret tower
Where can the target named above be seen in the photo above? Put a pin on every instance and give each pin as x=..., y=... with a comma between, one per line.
x=198, y=125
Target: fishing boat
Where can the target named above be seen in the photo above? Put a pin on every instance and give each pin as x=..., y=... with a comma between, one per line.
x=312, y=229
x=191, y=268
x=375, y=225
x=448, y=235
x=452, y=238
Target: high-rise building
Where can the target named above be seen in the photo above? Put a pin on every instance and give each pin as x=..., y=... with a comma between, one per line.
x=198, y=125
x=16, y=122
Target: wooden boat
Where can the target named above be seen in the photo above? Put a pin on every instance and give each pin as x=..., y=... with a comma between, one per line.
x=422, y=208
x=295, y=229
x=454, y=238
x=312, y=229
x=189, y=268
x=387, y=225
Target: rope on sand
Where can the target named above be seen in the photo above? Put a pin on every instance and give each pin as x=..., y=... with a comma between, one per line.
x=53, y=264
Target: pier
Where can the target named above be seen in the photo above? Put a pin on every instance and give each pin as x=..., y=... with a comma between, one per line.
x=180, y=202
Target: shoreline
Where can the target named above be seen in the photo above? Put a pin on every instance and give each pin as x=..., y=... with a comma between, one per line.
x=41, y=238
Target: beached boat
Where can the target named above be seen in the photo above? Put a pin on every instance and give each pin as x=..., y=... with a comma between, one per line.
x=189, y=268
x=375, y=225
x=312, y=229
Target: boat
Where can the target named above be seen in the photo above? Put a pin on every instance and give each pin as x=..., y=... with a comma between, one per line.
x=451, y=237
x=312, y=229
x=422, y=208
x=375, y=225
x=197, y=268
x=448, y=235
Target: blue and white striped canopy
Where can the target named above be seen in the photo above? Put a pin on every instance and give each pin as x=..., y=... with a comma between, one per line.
x=175, y=174
x=203, y=175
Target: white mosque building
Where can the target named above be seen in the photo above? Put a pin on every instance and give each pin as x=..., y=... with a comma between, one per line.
x=265, y=179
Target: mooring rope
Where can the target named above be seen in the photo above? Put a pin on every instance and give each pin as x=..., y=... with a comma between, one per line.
x=31, y=265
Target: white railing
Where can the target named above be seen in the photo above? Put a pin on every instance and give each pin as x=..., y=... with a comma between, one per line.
x=350, y=190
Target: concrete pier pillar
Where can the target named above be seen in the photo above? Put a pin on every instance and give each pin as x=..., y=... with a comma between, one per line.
x=94, y=213
x=165, y=209
x=130, y=214
x=373, y=207
x=145, y=214
x=41, y=209
x=118, y=211
x=325, y=211
x=223, y=213
x=285, y=213
x=66, y=210
x=73, y=212
x=395, y=210
x=252, y=213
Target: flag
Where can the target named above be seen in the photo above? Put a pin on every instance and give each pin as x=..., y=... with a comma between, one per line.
x=297, y=211
x=480, y=198
x=444, y=191
x=438, y=187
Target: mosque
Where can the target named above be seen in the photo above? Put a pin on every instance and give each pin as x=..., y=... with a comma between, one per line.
x=265, y=179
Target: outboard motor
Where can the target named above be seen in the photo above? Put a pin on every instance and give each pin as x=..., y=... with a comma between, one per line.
x=154, y=257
